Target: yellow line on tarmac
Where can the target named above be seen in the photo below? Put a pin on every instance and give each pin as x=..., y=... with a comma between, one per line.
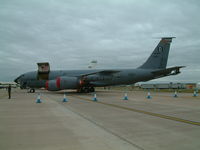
x=144, y=112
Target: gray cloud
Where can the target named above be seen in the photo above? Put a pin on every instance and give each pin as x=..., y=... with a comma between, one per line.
x=118, y=34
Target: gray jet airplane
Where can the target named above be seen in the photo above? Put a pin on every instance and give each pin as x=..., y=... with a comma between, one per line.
x=87, y=80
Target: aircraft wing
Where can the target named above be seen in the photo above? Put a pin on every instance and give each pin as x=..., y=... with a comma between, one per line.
x=103, y=72
x=168, y=71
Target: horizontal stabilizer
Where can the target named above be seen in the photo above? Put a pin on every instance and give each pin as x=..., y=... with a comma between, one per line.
x=168, y=71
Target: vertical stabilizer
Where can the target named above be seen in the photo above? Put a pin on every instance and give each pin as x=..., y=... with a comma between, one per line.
x=159, y=57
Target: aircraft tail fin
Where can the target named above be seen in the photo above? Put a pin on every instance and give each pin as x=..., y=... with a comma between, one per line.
x=158, y=59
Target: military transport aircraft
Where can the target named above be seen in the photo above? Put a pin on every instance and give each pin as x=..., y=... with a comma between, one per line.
x=87, y=80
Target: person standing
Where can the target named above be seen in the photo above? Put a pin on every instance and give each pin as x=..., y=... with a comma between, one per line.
x=9, y=91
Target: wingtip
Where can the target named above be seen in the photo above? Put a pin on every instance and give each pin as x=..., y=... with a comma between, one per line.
x=180, y=66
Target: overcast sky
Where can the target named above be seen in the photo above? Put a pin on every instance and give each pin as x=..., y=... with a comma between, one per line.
x=116, y=33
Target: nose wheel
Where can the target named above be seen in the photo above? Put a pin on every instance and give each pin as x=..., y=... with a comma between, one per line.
x=31, y=91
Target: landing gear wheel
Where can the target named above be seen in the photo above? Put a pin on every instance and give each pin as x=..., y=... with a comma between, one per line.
x=81, y=90
x=86, y=90
x=78, y=90
x=32, y=90
x=91, y=89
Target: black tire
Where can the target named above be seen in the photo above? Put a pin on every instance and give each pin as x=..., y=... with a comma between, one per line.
x=92, y=89
x=87, y=89
x=32, y=90
x=82, y=90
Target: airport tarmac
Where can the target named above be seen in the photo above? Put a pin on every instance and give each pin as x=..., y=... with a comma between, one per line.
x=162, y=122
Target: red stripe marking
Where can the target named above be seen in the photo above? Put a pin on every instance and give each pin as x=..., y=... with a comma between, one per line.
x=58, y=82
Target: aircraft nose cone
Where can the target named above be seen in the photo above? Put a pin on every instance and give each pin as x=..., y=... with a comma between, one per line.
x=17, y=80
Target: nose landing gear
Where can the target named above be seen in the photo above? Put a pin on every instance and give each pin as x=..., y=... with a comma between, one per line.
x=31, y=91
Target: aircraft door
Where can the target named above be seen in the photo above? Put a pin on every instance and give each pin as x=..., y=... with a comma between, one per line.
x=43, y=71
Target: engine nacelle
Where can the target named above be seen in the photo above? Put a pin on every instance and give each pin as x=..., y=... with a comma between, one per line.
x=62, y=83
x=67, y=83
x=50, y=85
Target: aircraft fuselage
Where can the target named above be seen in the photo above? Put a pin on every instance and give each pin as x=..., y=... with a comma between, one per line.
x=124, y=76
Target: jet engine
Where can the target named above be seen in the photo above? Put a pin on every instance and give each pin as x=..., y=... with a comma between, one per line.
x=62, y=83
x=50, y=85
x=67, y=82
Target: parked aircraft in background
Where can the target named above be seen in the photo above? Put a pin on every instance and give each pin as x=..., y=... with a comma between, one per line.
x=87, y=80
x=92, y=64
x=6, y=84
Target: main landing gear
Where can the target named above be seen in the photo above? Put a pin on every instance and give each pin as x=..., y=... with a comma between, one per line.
x=86, y=90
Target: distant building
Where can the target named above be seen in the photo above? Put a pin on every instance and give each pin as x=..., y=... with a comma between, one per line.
x=164, y=86
x=170, y=85
x=190, y=85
